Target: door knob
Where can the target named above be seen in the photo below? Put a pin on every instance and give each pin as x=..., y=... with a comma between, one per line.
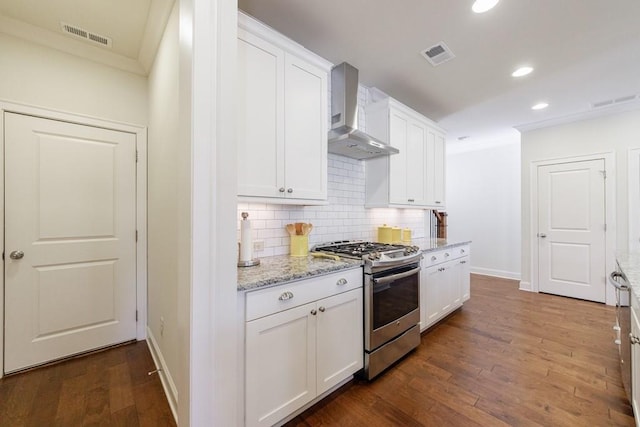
x=16, y=255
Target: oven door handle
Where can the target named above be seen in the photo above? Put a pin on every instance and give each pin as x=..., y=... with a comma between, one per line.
x=394, y=277
x=614, y=282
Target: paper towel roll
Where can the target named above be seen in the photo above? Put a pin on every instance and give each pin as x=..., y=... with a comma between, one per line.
x=246, y=241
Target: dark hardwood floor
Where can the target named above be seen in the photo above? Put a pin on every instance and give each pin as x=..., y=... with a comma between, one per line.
x=507, y=358
x=108, y=388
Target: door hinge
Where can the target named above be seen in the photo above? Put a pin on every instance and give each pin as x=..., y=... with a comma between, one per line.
x=605, y=227
x=136, y=156
x=604, y=174
x=136, y=315
x=136, y=235
x=3, y=256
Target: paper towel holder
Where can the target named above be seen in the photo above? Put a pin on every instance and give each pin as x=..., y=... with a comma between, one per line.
x=249, y=263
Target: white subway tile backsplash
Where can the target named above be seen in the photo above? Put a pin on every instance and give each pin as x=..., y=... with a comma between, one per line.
x=344, y=218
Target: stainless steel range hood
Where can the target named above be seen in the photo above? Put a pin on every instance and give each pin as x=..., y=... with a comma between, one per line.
x=344, y=137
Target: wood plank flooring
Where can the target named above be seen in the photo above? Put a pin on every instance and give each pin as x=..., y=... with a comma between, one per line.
x=108, y=388
x=507, y=358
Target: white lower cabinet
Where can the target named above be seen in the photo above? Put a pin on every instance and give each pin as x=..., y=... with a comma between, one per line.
x=444, y=283
x=296, y=354
x=635, y=358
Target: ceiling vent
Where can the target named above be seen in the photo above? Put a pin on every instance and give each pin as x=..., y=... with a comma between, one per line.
x=81, y=33
x=438, y=54
x=615, y=101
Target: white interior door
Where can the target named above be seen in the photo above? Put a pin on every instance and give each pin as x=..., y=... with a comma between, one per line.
x=70, y=209
x=571, y=229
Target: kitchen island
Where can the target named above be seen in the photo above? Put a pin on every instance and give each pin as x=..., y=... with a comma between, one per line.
x=629, y=266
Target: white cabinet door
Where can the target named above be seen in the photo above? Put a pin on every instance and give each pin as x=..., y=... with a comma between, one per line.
x=465, y=278
x=430, y=289
x=435, y=169
x=280, y=366
x=414, y=176
x=398, y=124
x=260, y=104
x=635, y=363
x=305, y=161
x=416, y=163
x=339, y=338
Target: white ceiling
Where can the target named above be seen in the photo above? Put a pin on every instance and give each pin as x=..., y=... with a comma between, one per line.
x=135, y=27
x=583, y=51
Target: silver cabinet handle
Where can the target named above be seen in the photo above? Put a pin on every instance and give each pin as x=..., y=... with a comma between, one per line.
x=281, y=189
x=446, y=254
x=410, y=200
x=461, y=251
x=433, y=258
x=633, y=339
x=438, y=202
x=542, y=235
x=16, y=255
x=463, y=262
x=286, y=296
x=313, y=311
x=321, y=309
x=613, y=280
x=342, y=282
x=290, y=190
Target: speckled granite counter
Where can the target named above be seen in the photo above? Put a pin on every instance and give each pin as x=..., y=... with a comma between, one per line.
x=630, y=265
x=281, y=269
x=430, y=245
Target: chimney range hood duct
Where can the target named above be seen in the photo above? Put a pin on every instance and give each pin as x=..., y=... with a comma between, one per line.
x=344, y=137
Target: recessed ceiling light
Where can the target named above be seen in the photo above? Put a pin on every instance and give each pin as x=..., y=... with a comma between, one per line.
x=522, y=71
x=540, y=106
x=481, y=6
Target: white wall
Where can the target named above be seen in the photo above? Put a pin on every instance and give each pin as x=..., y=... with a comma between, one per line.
x=44, y=77
x=483, y=204
x=615, y=133
x=162, y=227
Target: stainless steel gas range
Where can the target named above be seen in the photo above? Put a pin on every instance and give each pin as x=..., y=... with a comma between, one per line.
x=391, y=299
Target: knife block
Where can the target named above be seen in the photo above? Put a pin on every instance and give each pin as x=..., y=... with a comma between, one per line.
x=299, y=245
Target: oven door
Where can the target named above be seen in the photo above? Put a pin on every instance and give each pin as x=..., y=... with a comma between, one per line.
x=392, y=304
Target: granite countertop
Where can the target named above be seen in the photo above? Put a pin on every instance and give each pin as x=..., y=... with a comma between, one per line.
x=430, y=245
x=284, y=268
x=629, y=263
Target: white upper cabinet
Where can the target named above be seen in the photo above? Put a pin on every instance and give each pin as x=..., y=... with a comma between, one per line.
x=282, y=118
x=415, y=176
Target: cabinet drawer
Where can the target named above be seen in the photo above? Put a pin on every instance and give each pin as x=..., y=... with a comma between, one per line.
x=283, y=297
x=443, y=255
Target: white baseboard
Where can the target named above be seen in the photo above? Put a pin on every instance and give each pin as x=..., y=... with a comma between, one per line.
x=496, y=273
x=525, y=286
x=165, y=376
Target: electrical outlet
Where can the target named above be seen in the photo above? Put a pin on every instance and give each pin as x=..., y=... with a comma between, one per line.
x=258, y=245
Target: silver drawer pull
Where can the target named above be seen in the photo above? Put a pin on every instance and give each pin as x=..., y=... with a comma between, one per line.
x=461, y=251
x=286, y=296
x=313, y=312
x=342, y=282
x=321, y=309
x=463, y=262
x=433, y=258
x=446, y=254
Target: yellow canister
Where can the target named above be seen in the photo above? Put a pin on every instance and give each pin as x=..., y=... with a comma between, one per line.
x=299, y=245
x=406, y=236
x=384, y=234
x=396, y=235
